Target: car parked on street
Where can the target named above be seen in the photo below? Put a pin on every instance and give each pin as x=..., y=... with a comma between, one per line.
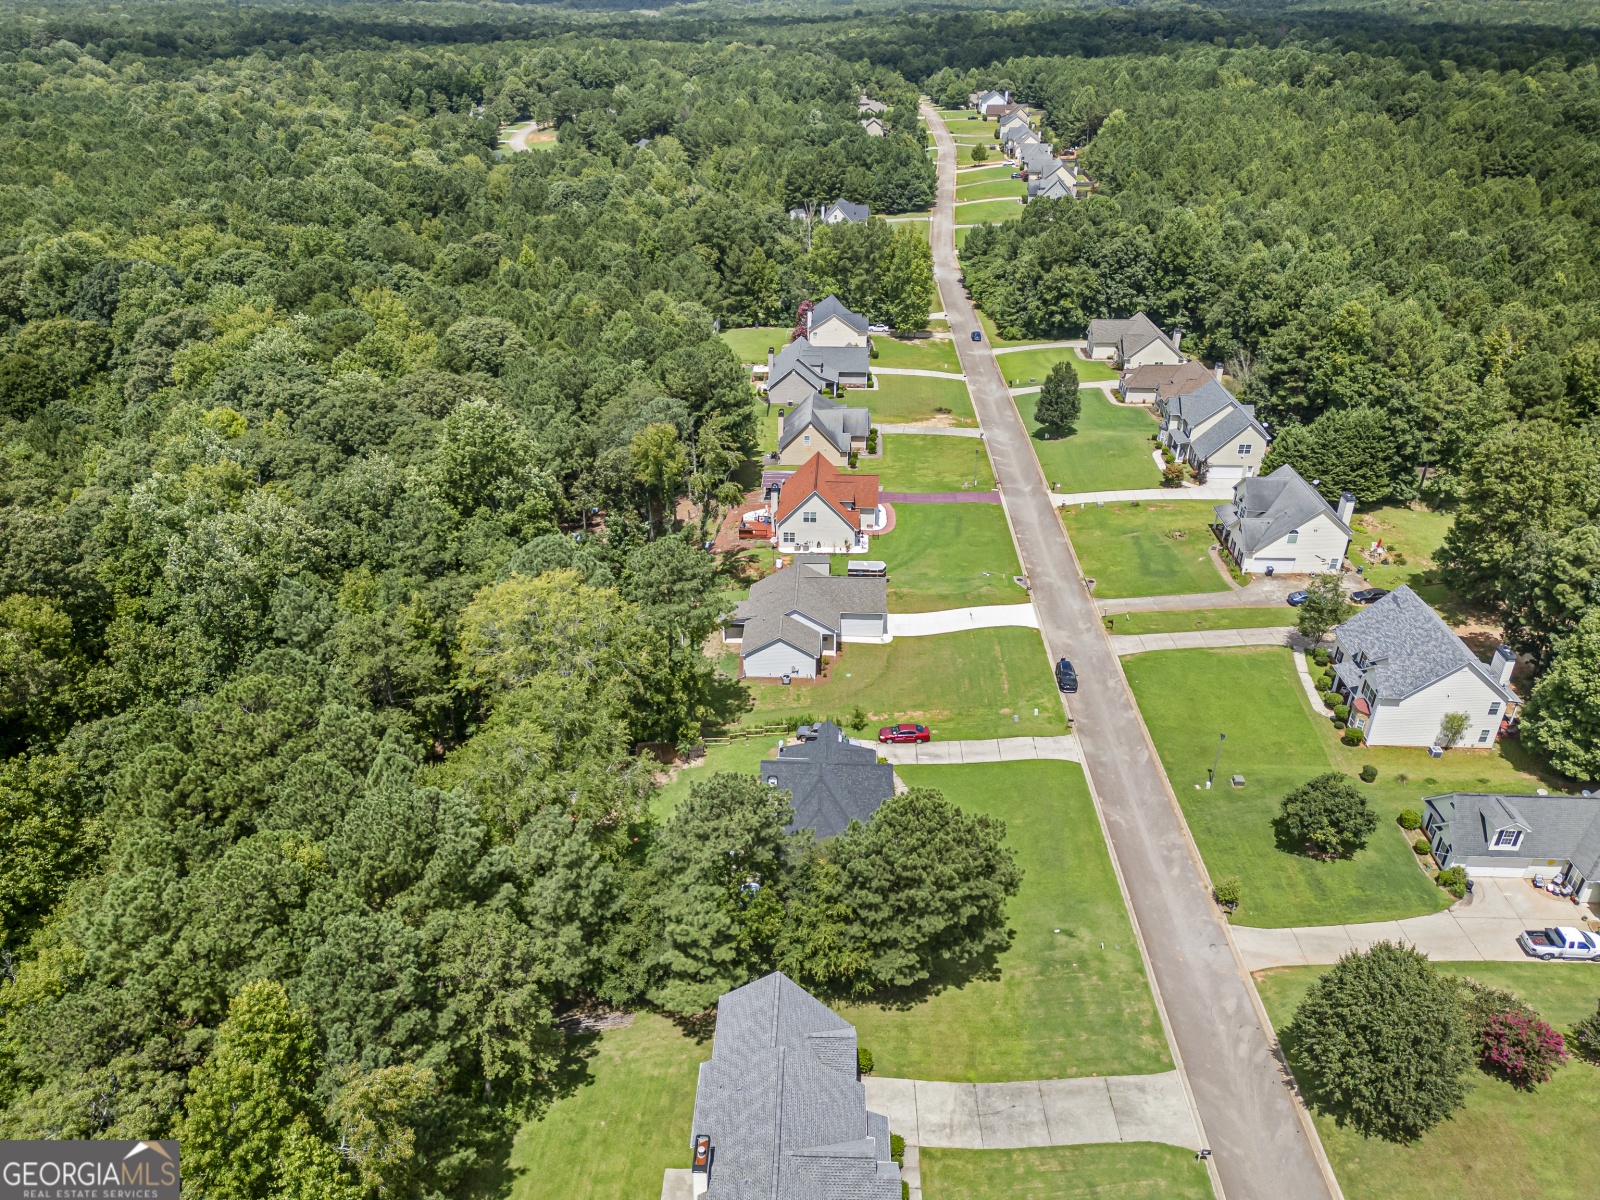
x=1560, y=942
x=1296, y=599
x=977, y=335
x=905, y=732
x=1368, y=595
x=1066, y=677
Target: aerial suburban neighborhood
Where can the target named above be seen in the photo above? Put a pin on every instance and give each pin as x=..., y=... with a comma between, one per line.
x=767, y=603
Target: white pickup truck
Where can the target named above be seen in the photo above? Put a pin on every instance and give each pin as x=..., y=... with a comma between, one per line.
x=1561, y=942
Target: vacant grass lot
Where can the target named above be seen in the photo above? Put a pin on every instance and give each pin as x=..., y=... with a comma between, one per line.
x=982, y=212
x=966, y=175
x=1127, y=547
x=990, y=189
x=1061, y=1007
x=739, y=756
x=1123, y=1171
x=751, y=344
x=907, y=399
x=625, y=1120
x=948, y=556
x=928, y=463
x=919, y=354
x=1505, y=1144
x=1417, y=533
x=962, y=685
x=1205, y=618
x=1021, y=366
x=1276, y=742
x=1110, y=448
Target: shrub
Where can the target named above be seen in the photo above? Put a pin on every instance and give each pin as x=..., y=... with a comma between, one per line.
x=1321, y=655
x=1228, y=892
x=1454, y=881
x=1409, y=818
x=1341, y=712
x=859, y=718
x=1522, y=1048
x=852, y=460
x=1586, y=1036
x=864, y=1061
x=1353, y=737
x=1421, y=846
x=1332, y=699
x=1338, y=723
x=872, y=440
x=1369, y=774
x=1384, y=1038
x=1329, y=814
x=897, y=1148
x=1172, y=475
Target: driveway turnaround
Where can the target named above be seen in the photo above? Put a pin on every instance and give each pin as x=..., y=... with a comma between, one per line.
x=1217, y=492
x=1200, y=639
x=1483, y=929
x=1042, y=1112
x=954, y=620
x=933, y=430
x=1063, y=748
x=1264, y=1146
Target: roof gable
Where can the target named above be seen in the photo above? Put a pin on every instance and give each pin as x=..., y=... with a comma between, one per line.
x=847, y=495
x=1554, y=827
x=830, y=780
x=1408, y=647
x=831, y=307
x=1267, y=508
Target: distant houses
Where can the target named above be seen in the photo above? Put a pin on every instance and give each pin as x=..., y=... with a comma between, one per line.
x=1279, y=524
x=866, y=104
x=835, y=211
x=874, y=127
x=989, y=104
x=1135, y=341
x=830, y=780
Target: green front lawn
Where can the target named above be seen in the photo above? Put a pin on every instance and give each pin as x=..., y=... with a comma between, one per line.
x=928, y=463
x=1127, y=547
x=990, y=189
x=1277, y=742
x=981, y=212
x=625, y=1120
x=1110, y=448
x=1185, y=620
x=751, y=344
x=948, y=555
x=1061, y=1006
x=907, y=399
x=1504, y=1144
x=916, y=354
x=962, y=685
x=1115, y=1171
x=967, y=175
x=1024, y=367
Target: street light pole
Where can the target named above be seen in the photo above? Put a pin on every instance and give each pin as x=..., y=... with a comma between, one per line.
x=1221, y=737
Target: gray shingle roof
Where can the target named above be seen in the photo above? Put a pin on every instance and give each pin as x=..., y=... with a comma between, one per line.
x=1040, y=158
x=1130, y=335
x=1560, y=827
x=1203, y=402
x=831, y=781
x=828, y=363
x=1407, y=646
x=767, y=628
x=1267, y=507
x=832, y=306
x=781, y=1103
x=821, y=597
x=1053, y=187
x=1228, y=429
x=836, y=422
x=850, y=212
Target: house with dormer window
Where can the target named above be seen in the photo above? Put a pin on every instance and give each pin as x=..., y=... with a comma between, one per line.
x=1518, y=836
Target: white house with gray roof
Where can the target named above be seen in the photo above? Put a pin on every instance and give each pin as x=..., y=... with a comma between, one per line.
x=1279, y=524
x=800, y=615
x=830, y=780
x=1135, y=341
x=1492, y=834
x=1210, y=430
x=818, y=425
x=782, y=1105
x=1402, y=670
x=800, y=369
x=830, y=323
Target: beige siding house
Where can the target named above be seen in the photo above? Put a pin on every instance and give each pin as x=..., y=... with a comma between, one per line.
x=1279, y=524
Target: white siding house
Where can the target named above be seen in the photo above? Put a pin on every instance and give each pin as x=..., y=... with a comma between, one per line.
x=830, y=323
x=1414, y=720
x=779, y=658
x=1279, y=524
x=815, y=525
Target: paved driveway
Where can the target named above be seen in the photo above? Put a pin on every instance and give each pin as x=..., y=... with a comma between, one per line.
x=954, y=620
x=1264, y=1148
x=1063, y=748
x=1215, y=492
x=1207, y=639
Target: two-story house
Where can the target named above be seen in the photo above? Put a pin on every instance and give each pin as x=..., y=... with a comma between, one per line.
x=824, y=511
x=1279, y=524
x=830, y=323
x=1210, y=430
x=818, y=425
x=1134, y=341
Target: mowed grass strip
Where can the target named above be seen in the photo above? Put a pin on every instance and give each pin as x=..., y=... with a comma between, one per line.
x=1188, y=620
x=908, y=399
x=962, y=685
x=982, y=212
x=623, y=1122
x=1109, y=449
x=913, y=462
x=1190, y=697
x=947, y=556
x=1505, y=1144
x=1022, y=366
x=1125, y=1171
x=966, y=175
x=990, y=189
x=917, y=354
x=751, y=344
x=1128, y=547
x=1061, y=1007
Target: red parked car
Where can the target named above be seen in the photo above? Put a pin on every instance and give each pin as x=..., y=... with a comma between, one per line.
x=904, y=733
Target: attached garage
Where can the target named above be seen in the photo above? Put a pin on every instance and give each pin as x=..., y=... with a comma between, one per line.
x=862, y=625
x=779, y=658
x=1224, y=474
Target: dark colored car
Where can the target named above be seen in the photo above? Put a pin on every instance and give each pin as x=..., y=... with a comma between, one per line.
x=904, y=733
x=1016, y=174
x=977, y=335
x=1368, y=595
x=1296, y=599
x=1066, y=677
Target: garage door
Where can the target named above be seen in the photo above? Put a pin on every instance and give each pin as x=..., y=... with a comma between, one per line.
x=863, y=625
x=1224, y=474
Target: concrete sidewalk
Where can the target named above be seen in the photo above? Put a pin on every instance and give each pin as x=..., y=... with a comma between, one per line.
x=1214, y=492
x=1258, y=593
x=1200, y=639
x=1063, y=748
x=1482, y=929
x=954, y=620
x=932, y=430
x=1043, y=1112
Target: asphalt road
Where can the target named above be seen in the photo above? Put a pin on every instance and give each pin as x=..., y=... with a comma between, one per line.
x=1262, y=1146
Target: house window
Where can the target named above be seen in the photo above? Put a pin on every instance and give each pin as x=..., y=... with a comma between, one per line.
x=1294, y=536
x=1367, y=691
x=788, y=537
x=809, y=517
x=1507, y=839
x=772, y=781
x=1483, y=736
x=805, y=439
x=1245, y=447
x=1494, y=709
